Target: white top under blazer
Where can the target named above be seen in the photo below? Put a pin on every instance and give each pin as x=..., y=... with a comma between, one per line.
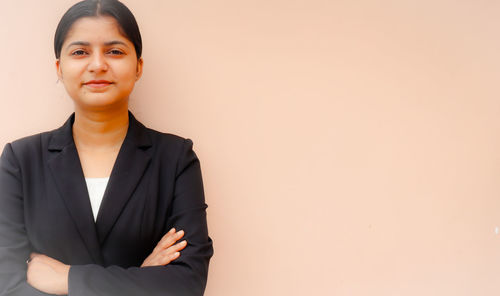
x=96, y=188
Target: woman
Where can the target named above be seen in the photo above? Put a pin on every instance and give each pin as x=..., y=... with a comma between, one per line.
x=101, y=205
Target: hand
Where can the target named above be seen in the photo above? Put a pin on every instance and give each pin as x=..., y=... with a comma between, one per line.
x=165, y=251
x=47, y=274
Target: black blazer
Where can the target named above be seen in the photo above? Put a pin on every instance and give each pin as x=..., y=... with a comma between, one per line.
x=155, y=185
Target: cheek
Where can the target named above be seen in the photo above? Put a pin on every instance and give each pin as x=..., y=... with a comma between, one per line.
x=126, y=72
x=71, y=78
x=71, y=71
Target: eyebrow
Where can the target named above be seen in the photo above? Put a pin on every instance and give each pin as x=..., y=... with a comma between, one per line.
x=109, y=43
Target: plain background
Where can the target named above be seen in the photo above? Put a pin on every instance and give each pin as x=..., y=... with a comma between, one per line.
x=348, y=147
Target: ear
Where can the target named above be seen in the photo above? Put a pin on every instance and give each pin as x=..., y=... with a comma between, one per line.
x=140, y=63
x=58, y=69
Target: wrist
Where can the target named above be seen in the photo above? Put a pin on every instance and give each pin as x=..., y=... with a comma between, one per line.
x=64, y=278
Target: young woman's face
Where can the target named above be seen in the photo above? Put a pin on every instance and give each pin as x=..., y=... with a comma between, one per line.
x=98, y=65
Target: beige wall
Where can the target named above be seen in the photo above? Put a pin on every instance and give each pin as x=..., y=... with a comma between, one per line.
x=348, y=147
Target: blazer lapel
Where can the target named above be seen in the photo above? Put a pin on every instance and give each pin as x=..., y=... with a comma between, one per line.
x=68, y=175
x=129, y=168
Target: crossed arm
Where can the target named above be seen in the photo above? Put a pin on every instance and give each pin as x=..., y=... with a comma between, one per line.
x=163, y=272
x=50, y=276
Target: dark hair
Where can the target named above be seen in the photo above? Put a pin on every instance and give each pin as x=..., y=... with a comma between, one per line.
x=92, y=8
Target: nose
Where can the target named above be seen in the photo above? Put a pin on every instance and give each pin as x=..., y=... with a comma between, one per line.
x=97, y=63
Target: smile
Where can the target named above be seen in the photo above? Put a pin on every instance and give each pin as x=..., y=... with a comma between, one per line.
x=98, y=83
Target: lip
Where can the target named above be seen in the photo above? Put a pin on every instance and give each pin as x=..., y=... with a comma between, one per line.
x=97, y=83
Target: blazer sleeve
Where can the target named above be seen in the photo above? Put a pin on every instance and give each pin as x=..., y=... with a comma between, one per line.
x=14, y=244
x=185, y=276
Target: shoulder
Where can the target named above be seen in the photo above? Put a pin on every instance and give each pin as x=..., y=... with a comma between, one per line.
x=29, y=145
x=26, y=152
x=36, y=143
x=173, y=151
x=169, y=144
x=166, y=149
x=167, y=139
x=146, y=136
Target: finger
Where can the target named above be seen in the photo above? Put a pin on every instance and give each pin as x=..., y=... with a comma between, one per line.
x=176, y=247
x=160, y=259
x=166, y=259
x=166, y=236
x=170, y=232
x=161, y=254
x=170, y=239
x=171, y=252
x=166, y=256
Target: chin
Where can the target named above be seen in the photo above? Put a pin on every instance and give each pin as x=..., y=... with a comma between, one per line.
x=101, y=104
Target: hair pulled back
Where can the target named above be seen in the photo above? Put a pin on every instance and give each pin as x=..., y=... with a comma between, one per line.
x=93, y=8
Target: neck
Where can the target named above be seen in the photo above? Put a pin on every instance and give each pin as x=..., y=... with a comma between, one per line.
x=100, y=130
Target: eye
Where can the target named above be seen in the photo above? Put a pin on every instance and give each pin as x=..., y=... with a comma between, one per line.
x=115, y=52
x=79, y=52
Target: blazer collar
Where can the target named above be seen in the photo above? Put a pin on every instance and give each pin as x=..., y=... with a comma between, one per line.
x=63, y=136
x=128, y=170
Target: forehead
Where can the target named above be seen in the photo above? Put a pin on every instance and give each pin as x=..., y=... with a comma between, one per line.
x=95, y=29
